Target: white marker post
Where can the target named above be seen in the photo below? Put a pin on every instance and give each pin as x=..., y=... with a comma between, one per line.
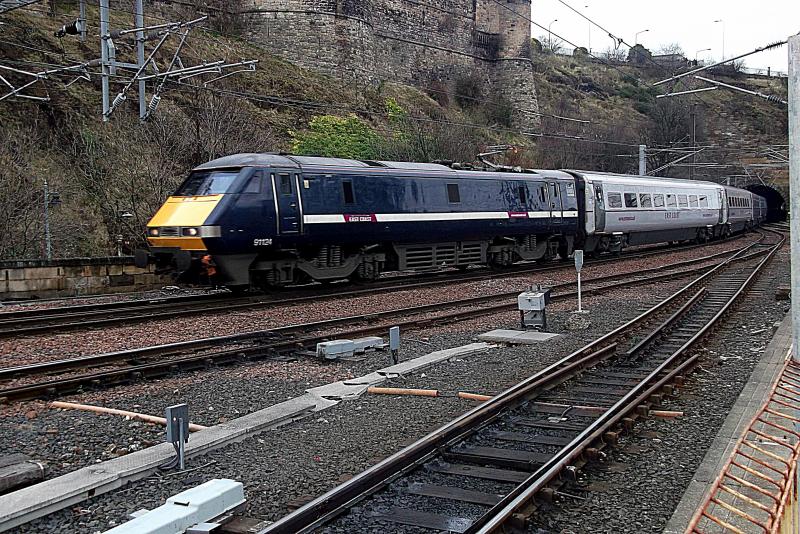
x=578, y=267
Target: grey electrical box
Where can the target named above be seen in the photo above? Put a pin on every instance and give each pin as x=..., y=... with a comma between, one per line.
x=394, y=343
x=177, y=416
x=532, y=308
x=333, y=350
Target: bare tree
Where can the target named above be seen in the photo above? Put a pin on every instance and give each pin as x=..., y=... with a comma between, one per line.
x=670, y=49
x=21, y=196
x=615, y=54
x=551, y=44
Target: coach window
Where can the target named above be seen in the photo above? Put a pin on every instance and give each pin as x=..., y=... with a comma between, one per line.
x=630, y=200
x=683, y=202
x=453, y=196
x=692, y=201
x=523, y=197
x=703, y=201
x=285, y=184
x=671, y=201
x=347, y=189
x=645, y=201
x=543, y=194
x=615, y=200
x=658, y=201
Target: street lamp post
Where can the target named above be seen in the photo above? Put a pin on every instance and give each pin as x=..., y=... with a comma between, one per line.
x=590, y=32
x=636, y=39
x=696, y=53
x=550, y=35
x=723, y=37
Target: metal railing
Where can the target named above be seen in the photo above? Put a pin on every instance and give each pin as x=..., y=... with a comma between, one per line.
x=756, y=491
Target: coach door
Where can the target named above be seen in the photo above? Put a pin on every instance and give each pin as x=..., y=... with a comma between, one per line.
x=556, y=206
x=287, y=201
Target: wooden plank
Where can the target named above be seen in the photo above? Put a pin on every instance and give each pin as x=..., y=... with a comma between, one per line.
x=532, y=438
x=11, y=459
x=558, y=409
x=486, y=473
x=21, y=474
x=607, y=392
x=496, y=456
x=538, y=422
x=454, y=494
x=405, y=516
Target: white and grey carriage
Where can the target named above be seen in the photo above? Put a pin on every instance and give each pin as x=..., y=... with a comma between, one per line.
x=623, y=211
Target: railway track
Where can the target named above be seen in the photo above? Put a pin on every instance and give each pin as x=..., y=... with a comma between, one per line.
x=486, y=470
x=30, y=322
x=128, y=366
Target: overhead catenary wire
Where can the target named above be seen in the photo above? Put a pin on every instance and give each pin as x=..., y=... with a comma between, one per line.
x=211, y=38
x=308, y=105
x=647, y=57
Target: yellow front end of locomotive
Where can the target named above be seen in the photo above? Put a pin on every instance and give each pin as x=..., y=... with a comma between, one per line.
x=181, y=223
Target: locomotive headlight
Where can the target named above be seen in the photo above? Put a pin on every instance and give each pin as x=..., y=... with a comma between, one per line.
x=153, y=232
x=190, y=232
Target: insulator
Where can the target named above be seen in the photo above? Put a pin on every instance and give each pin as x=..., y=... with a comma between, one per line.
x=119, y=99
x=153, y=105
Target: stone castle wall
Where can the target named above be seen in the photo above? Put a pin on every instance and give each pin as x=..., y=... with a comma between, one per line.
x=422, y=43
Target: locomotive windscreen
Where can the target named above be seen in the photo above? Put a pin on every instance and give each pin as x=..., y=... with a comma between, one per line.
x=201, y=183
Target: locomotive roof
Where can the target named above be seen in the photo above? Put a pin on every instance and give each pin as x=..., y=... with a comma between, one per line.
x=309, y=162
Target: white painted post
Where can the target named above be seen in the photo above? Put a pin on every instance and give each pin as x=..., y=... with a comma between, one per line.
x=578, y=267
x=794, y=185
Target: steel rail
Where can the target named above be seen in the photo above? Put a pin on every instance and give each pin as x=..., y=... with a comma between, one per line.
x=259, y=336
x=508, y=506
x=29, y=322
x=263, y=350
x=345, y=495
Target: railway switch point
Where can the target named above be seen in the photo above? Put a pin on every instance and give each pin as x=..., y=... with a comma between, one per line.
x=532, y=306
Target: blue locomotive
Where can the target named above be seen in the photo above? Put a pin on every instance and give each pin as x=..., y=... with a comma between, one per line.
x=261, y=220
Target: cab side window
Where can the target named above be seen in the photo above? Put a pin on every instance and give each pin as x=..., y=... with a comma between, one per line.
x=253, y=185
x=285, y=184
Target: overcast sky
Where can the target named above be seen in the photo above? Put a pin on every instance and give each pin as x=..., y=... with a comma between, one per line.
x=748, y=25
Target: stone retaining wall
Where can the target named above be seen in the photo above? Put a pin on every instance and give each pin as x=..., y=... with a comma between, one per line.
x=75, y=276
x=422, y=43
